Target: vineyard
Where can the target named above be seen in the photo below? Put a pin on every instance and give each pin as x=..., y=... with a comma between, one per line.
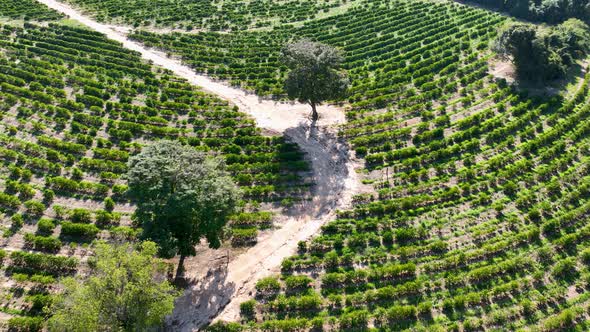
x=75, y=106
x=207, y=14
x=480, y=191
x=27, y=10
x=491, y=238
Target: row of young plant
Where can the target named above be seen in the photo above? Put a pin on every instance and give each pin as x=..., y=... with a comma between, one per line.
x=75, y=107
x=393, y=51
x=208, y=14
x=28, y=10
x=522, y=258
x=101, y=131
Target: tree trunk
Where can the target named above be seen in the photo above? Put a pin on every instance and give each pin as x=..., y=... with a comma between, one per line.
x=180, y=269
x=314, y=112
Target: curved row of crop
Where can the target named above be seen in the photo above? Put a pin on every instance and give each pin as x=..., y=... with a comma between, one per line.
x=75, y=107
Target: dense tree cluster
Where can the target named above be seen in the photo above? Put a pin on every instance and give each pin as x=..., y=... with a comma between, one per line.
x=550, y=11
x=544, y=53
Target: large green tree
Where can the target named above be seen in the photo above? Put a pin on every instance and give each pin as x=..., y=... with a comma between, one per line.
x=182, y=196
x=127, y=290
x=315, y=74
x=543, y=53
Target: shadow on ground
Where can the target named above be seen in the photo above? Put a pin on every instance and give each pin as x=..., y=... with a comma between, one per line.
x=204, y=295
x=329, y=156
x=220, y=290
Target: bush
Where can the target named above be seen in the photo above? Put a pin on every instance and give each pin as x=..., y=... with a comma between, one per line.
x=17, y=221
x=3, y=255
x=104, y=218
x=43, y=243
x=48, y=195
x=355, y=320
x=248, y=309
x=401, y=313
x=564, y=269
x=80, y=216
x=296, y=283
x=86, y=231
x=43, y=262
x=35, y=208
x=39, y=301
x=269, y=285
x=585, y=256
x=9, y=201
x=26, y=324
x=45, y=226
x=109, y=204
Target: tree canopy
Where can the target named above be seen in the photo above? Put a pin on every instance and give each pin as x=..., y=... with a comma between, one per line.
x=541, y=53
x=126, y=291
x=315, y=74
x=550, y=11
x=182, y=196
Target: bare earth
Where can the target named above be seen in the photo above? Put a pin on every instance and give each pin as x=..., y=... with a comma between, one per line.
x=222, y=280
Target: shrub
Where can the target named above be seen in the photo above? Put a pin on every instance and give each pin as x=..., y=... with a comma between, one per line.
x=45, y=226
x=9, y=201
x=86, y=231
x=26, y=324
x=400, y=313
x=17, y=221
x=48, y=195
x=299, y=282
x=585, y=256
x=269, y=285
x=35, y=208
x=104, y=218
x=43, y=243
x=248, y=309
x=564, y=269
x=109, y=204
x=39, y=301
x=80, y=216
x=355, y=320
x=43, y=262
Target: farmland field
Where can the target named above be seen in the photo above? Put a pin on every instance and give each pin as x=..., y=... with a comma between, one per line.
x=473, y=213
x=75, y=106
x=209, y=14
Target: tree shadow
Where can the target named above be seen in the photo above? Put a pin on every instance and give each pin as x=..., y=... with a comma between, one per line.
x=203, y=298
x=328, y=156
x=547, y=89
x=207, y=295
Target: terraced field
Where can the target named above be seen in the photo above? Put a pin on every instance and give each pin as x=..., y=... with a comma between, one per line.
x=377, y=38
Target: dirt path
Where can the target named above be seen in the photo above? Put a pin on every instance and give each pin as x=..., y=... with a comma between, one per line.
x=223, y=282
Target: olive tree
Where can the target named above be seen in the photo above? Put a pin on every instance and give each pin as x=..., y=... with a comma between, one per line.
x=315, y=74
x=182, y=196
